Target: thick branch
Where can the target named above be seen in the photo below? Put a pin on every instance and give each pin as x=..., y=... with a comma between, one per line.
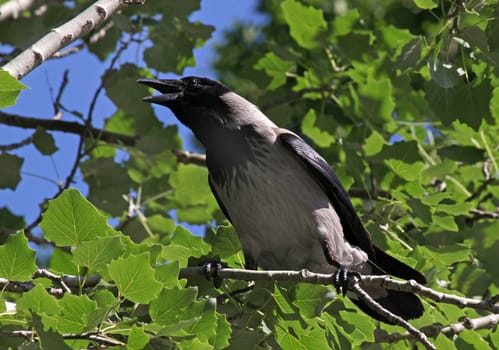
x=61, y=36
x=12, y=8
x=69, y=127
x=65, y=281
x=306, y=276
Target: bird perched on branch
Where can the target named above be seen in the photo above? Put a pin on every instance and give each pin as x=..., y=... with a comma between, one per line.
x=286, y=204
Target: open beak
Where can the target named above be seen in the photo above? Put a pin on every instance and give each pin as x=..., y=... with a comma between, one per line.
x=171, y=90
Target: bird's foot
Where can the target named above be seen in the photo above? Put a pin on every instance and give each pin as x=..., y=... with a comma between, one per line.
x=340, y=279
x=212, y=270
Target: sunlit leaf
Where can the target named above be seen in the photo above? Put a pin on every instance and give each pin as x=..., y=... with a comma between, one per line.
x=134, y=278
x=17, y=260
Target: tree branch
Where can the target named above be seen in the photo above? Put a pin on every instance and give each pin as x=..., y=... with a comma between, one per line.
x=433, y=331
x=354, y=285
x=12, y=8
x=69, y=127
x=62, y=36
x=101, y=339
x=489, y=304
x=28, y=140
x=66, y=281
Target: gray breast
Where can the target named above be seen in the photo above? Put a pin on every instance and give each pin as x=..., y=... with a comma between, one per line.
x=282, y=216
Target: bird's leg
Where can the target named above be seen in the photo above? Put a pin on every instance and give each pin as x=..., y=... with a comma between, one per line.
x=212, y=270
x=340, y=279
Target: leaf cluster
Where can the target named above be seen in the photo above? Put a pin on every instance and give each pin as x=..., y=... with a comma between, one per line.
x=401, y=98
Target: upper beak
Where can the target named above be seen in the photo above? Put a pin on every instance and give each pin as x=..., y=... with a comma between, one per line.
x=171, y=90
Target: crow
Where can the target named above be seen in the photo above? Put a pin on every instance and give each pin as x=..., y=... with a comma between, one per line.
x=286, y=204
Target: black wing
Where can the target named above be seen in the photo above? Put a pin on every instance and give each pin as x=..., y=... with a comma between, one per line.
x=354, y=231
x=219, y=201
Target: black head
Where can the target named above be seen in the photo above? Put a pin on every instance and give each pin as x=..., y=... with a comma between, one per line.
x=199, y=103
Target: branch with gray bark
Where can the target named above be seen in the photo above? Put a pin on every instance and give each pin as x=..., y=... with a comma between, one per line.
x=62, y=36
x=357, y=284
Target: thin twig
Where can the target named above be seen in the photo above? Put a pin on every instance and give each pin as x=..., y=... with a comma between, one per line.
x=482, y=214
x=485, y=322
x=99, y=338
x=354, y=285
x=62, y=87
x=28, y=140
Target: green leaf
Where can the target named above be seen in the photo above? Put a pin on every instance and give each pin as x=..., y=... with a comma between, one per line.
x=455, y=209
x=407, y=171
x=222, y=333
x=426, y=4
x=344, y=24
x=44, y=142
x=75, y=311
x=39, y=301
x=451, y=254
x=225, y=242
x=373, y=144
x=61, y=262
x=10, y=88
x=9, y=220
x=183, y=246
x=105, y=191
x=494, y=103
x=164, y=310
x=406, y=151
x=281, y=299
x=196, y=203
x=124, y=79
x=469, y=104
x=96, y=254
x=476, y=37
x=471, y=339
x=276, y=68
x=17, y=260
x=178, y=37
x=362, y=328
x=375, y=100
x=191, y=184
x=168, y=274
x=305, y=23
x=320, y=137
x=137, y=339
x=410, y=55
x=70, y=220
x=444, y=75
x=134, y=278
x=48, y=338
x=11, y=170
x=311, y=299
x=446, y=222
x=440, y=169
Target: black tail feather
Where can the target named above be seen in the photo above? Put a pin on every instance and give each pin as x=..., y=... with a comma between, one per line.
x=391, y=266
x=403, y=304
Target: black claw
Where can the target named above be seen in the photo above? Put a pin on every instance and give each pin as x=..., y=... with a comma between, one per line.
x=341, y=280
x=212, y=270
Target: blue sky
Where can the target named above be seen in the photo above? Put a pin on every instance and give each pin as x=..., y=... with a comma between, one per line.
x=40, y=174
